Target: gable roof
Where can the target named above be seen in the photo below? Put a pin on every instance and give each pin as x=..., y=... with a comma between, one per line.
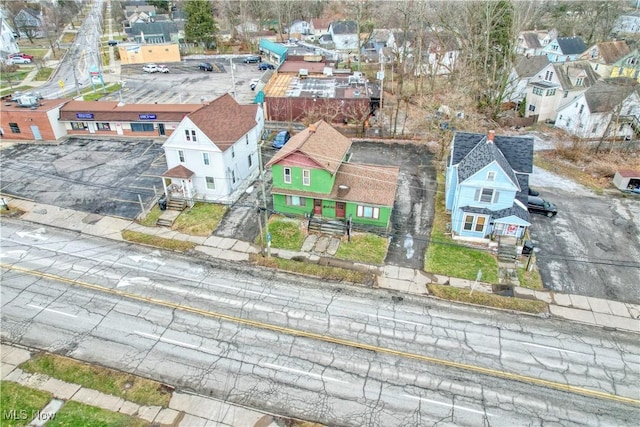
x=568, y=73
x=320, y=24
x=612, y=51
x=344, y=27
x=319, y=142
x=603, y=96
x=179, y=172
x=571, y=45
x=484, y=153
x=531, y=39
x=529, y=67
x=224, y=121
x=516, y=150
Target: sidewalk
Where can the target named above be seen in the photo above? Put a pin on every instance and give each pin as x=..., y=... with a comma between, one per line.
x=593, y=311
x=184, y=410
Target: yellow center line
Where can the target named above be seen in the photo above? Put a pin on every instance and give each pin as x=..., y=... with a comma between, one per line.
x=354, y=344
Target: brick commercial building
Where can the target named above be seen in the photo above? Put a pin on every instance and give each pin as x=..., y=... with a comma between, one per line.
x=36, y=120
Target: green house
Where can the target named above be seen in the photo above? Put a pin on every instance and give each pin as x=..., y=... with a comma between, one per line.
x=312, y=175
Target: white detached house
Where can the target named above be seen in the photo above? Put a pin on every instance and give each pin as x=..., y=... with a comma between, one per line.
x=213, y=153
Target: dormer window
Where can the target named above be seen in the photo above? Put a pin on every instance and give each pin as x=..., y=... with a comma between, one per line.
x=190, y=135
x=579, y=81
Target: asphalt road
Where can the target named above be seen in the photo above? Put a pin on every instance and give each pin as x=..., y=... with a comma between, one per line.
x=592, y=246
x=340, y=356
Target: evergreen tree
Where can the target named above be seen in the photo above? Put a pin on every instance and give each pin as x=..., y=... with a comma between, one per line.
x=200, y=26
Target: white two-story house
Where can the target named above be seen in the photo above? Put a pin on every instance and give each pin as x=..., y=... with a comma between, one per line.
x=213, y=153
x=608, y=109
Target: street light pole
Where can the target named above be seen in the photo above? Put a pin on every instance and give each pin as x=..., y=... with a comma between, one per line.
x=264, y=199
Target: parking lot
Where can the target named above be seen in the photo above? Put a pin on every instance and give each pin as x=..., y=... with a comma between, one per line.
x=592, y=247
x=104, y=177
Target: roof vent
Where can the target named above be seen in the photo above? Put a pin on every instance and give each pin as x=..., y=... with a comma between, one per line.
x=343, y=187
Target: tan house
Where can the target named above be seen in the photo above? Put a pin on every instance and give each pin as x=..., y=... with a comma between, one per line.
x=603, y=56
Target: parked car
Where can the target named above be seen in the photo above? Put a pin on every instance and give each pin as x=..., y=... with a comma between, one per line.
x=150, y=68
x=539, y=205
x=265, y=66
x=19, y=60
x=205, y=66
x=281, y=138
x=112, y=43
x=163, y=69
x=252, y=59
x=20, y=54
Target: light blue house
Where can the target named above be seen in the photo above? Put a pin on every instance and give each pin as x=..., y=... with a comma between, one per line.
x=487, y=185
x=564, y=49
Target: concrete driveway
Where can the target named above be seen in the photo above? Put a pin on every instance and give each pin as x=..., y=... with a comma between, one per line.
x=592, y=247
x=103, y=176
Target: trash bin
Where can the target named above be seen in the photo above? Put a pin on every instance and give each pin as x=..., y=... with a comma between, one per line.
x=527, y=247
x=162, y=203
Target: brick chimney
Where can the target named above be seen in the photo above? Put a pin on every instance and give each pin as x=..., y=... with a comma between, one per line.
x=492, y=133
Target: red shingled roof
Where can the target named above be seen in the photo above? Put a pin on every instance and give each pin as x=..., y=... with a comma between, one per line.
x=224, y=121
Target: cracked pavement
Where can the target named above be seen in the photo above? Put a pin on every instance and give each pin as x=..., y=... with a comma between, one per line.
x=299, y=375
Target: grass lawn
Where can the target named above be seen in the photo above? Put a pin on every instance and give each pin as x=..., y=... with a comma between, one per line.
x=201, y=220
x=449, y=258
x=530, y=279
x=310, y=269
x=74, y=414
x=368, y=248
x=6, y=90
x=68, y=37
x=452, y=259
x=152, y=217
x=15, y=397
x=487, y=300
x=286, y=233
x=120, y=384
x=43, y=74
x=159, y=242
x=93, y=95
x=37, y=53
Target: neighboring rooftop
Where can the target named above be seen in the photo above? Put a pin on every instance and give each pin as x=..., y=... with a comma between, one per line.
x=291, y=85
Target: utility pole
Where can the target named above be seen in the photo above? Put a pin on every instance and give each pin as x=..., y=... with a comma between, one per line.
x=264, y=199
x=381, y=78
x=73, y=69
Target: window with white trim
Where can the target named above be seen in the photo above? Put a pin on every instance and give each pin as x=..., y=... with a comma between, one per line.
x=474, y=223
x=211, y=184
x=205, y=158
x=287, y=175
x=295, y=201
x=548, y=76
x=250, y=160
x=538, y=91
x=551, y=92
x=181, y=156
x=532, y=107
x=306, y=177
x=190, y=135
x=103, y=126
x=368, y=212
x=491, y=176
x=486, y=195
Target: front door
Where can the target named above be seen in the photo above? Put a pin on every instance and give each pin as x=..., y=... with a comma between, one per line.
x=317, y=207
x=339, y=209
x=161, y=129
x=36, y=133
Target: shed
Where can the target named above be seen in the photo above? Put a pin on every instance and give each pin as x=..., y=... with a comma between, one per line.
x=627, y=179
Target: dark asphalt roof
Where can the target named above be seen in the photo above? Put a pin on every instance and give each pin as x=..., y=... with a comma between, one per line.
x=481, y=155
x=571, y=45
x=603, y=96
x=517, y=150
x=531, y=39
x=568, y=73
x=344, y=27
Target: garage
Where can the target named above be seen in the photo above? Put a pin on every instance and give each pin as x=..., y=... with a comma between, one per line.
x=627, y=180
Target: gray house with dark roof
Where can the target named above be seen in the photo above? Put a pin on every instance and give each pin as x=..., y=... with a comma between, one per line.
x=487, y=184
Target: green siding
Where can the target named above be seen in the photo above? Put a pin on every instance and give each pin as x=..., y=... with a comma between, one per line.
x=382, y=221
x=321, y=180
x=328, y=210
x=280, y=205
